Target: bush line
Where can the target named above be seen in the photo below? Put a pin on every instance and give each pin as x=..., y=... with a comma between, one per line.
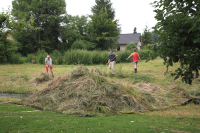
x=75, y=57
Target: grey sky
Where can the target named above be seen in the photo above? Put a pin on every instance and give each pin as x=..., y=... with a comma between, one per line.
x=130, y=13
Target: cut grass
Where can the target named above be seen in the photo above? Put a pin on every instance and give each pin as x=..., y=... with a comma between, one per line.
x=15, y=118
x=189, y=111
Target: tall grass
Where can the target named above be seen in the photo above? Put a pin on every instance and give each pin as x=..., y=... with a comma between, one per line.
x=76, y=57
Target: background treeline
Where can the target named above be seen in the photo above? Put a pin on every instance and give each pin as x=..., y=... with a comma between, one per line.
x=45, y=24
x=75, y=57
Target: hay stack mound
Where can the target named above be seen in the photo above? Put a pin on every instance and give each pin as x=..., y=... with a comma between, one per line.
x=88, y=91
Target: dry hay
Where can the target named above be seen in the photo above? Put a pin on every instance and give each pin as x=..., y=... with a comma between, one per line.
x=42, y=78
x=159, y=98
x=149, y=87
x=88, y=91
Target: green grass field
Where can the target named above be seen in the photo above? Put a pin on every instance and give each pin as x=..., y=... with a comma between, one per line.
x=16, y=118
x=16, y=78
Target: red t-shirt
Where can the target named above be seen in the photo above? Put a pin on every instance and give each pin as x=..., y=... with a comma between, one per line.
x=135, y=56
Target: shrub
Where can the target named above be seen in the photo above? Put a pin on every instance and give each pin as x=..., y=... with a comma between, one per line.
x=56, y=57
x=131, y=46
x=78, y=57
x=149, y=47
x=78, y=44
x=145, y=54
x=123, y=55
x=16, y=59
x=41, y=55
x=31, y=57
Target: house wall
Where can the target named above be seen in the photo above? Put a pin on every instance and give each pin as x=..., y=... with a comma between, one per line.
x=139, y=45
x=122, y=47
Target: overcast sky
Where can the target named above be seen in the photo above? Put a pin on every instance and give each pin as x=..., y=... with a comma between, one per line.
x=130, y=13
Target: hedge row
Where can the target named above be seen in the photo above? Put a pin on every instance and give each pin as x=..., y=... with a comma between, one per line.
x=75, y=57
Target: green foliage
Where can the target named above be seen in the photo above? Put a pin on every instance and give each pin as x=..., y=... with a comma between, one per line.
x=78, y=44
x=105, y=30
x=105, y=5
x=16, y=59
x=41, y=55
x=7, y=48
x=78, y=29
x=178, y=31
x=77, y=57
x=123, y=55
x=131, y=46
x=147, y=36
x=149, y=47
x=56, y=57
x=30, y=58
x=146, y=54
x=155, y=37
x=47, y=16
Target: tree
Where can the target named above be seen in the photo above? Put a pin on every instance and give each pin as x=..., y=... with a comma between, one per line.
x=78, y=45
x=77, y=28
x=147, y=37
x=47, y=15
x=105, y=5
x=178, y=29
x=135, y=30
x=7, y=26
x=103, y=28
x=6, y=47
x=155, y=36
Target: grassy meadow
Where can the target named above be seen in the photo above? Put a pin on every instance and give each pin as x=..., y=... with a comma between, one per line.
x=17, y=78
x=17, y=118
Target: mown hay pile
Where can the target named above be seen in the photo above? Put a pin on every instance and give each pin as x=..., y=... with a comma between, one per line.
x=88, y=91
x=42, y=78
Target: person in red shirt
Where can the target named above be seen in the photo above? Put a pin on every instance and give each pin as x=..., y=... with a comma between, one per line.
x=135, y=59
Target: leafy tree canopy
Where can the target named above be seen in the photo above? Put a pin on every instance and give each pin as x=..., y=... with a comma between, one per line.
x=105, y=5
x=147, y=37
x=105, y=30
x=179, y=35
x=47, y=15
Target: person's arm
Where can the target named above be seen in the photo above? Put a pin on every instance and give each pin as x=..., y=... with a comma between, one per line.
x=130, y=56
x=116, y=56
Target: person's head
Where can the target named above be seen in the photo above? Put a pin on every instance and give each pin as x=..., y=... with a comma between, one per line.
x=48, y=57
x=111, y=53
x=134, y=50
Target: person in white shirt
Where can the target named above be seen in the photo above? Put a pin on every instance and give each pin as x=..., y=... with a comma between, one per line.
x=48, y=62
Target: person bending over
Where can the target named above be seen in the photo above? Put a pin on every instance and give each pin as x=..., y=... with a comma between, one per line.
x=48, y=62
